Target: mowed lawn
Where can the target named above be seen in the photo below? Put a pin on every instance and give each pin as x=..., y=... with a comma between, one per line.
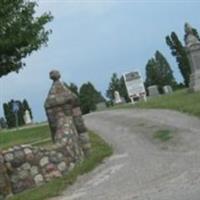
x=181, y=100
x=24, y=136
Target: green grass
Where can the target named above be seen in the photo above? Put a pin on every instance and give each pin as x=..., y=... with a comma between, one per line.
x=181, y=100
x=100, y=150
x=163, y=135
x=24, y=136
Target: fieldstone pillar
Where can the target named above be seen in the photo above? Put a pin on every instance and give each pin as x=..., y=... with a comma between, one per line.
x=80, y=126
x=64, y=116
x=193, y=52
x=5, y=185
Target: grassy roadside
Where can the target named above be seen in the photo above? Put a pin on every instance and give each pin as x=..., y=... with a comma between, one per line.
x=100, y=150
x=181, y=101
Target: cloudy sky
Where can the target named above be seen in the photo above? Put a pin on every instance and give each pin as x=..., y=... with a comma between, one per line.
x=91, y=39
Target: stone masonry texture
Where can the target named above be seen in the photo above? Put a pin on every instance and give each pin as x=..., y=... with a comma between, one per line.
x=24, y=166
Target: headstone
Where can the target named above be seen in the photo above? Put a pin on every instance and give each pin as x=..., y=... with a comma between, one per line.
x=117, y=97
x=167, y=89
x=27, y=117
x=193, y=53
x=153, y=90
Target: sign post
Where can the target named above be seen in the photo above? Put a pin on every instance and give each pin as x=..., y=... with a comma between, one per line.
x=135, y=86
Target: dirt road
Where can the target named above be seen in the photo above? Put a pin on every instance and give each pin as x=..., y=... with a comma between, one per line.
x=142, y=167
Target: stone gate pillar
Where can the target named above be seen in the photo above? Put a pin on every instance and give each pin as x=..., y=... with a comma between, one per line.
x=5, y=185
x=65, y=121
x=193, y=52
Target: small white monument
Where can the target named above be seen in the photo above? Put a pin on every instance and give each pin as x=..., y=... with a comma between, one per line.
x=167, y=89
x=117, y=97
x=27, y=117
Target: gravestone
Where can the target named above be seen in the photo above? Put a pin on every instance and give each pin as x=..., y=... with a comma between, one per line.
x=117, y=99
x=65, y=117
x=167, y=89
x=153, y=90
x=27, y=117
x=193, y=52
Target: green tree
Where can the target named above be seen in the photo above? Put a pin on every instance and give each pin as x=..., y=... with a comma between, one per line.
x=114, y=85
x=178, y=51
x=158, y=72
x=152, y=77
x=3, y=123
x=74, y=88
x=21, y=33
x=26, y=107
x=117, y=84
x=20, y=113
x=11, y=116
x=123, y=91
x=89, y=97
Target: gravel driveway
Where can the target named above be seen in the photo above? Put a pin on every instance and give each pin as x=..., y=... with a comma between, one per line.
x=142, y=167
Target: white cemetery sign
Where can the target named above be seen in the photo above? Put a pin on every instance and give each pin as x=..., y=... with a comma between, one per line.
x=134, y=85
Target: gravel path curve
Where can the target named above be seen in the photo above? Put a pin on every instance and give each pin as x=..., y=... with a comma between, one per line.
x=142, y=167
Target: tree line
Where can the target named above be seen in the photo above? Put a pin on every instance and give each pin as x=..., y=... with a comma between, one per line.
x=22, y=32
x=88, y=96
x=10, y=115
x=158, y=71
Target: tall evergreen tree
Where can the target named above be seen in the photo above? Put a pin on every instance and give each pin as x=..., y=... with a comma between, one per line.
x=114, y=85
x=11, y=116
x=20, y=114
x=89, y=97
x=117, y=84
x=27, y=107
x=3, y=123
x=165, y=71
x=179, y=52
x=21, y=33
x=152, y=75
x=74, y=88
x=123, y=91
x=158, y=72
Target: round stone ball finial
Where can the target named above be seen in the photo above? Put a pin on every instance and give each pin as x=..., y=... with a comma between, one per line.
x=54, y=75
